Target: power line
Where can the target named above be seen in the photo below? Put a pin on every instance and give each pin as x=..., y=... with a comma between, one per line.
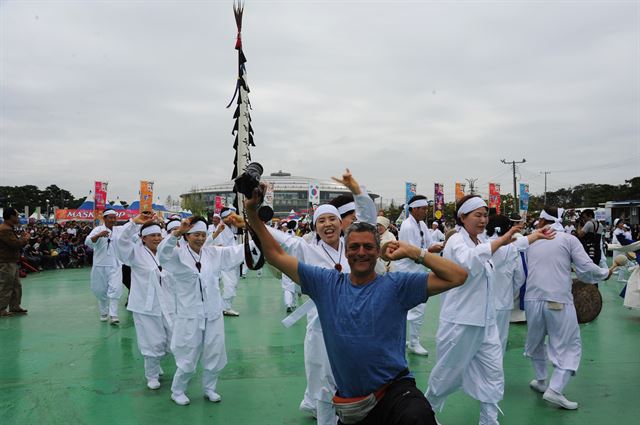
x=515, y=193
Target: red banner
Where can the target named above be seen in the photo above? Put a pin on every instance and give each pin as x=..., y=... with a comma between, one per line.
x=218, y=206
x=100, y=196
x=87, y=215
x=494, y=196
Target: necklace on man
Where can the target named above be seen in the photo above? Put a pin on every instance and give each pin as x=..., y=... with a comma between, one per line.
x=153, y=257
x=336, y=265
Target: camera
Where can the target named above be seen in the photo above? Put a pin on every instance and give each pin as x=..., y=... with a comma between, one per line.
x=249, y=180
x=246, y=182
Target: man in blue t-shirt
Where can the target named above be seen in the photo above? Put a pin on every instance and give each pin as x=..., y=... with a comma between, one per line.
x=363, y=316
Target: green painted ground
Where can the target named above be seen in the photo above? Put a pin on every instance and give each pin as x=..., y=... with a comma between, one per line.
x=60, y=365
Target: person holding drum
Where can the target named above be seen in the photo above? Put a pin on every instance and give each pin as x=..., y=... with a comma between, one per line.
x=550, y=310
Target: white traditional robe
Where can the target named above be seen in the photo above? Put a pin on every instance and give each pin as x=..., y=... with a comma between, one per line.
x=147, y=299
x=106, y=272
x=549, y=304
x=198, y=330
x=417, y=234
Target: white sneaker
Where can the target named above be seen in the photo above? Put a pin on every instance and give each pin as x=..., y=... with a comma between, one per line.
x=180, y=398
x=559, y=400
x=308, y=408
x=153, y=384
x=104, y=317
x=539, y=386
x=212, y=396
x=231, y=312
x=418, y=349
x=114, y=320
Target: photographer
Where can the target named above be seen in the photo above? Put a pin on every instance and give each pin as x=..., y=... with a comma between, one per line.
x=590, y=233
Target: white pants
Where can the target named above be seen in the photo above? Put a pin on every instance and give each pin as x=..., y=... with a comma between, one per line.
x=106, y=285
x=469, y=357
x=321, y=385
x=193, y=340
x=502, y=322
x=230, y=282
x=565, y=347
x=154, y=338
x=288, y=291
x=415, y=316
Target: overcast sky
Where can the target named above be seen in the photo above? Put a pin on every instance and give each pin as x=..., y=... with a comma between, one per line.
x=398, y=91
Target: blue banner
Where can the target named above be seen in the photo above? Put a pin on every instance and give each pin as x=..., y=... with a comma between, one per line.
x=524, y=197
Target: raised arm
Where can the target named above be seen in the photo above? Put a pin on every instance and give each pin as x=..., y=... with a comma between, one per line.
x=125, y=245
x=273, y=252
x=365, y=207
x=445, y=274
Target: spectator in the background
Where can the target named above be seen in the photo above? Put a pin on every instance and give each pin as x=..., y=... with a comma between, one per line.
x=10, y=249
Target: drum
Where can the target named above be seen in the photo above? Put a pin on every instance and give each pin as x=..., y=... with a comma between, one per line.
x=587, y=300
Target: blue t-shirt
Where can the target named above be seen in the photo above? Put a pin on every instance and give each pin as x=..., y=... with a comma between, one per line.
x=364, y=326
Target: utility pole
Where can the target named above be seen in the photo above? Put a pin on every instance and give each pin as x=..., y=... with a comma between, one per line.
x=545, y=184
x=472, y=186
x=515, y=189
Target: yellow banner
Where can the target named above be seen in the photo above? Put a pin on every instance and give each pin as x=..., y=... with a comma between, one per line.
x=146, y=196
x=459, y=191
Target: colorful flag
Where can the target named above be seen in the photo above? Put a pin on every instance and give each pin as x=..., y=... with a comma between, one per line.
x=459, y=191
x=410, y=190
x=99, y=200
x=438, y=201
x=146, y=196
x=524, y=197
x=494, y=196
x=268, y=195
x=314, y=193
x=218, y=205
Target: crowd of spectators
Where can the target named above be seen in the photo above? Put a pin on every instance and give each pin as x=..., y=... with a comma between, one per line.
x=56, y=247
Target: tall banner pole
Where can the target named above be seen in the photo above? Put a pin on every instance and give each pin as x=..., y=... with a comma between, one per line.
x=242, y=129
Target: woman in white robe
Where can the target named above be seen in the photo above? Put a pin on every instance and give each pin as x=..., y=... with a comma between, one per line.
x=467, y=341
x=137, y=247
x=198, y=331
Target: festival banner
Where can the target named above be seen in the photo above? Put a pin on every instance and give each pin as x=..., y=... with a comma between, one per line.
x=494, y=196
x=438, y=201
x=268, y=194
x=459, y=191
x=218, y=205
x=99, y=200
x=314, y=194
x=146, y=195
x=63, y=214
x=524, y=197
x=410, y=191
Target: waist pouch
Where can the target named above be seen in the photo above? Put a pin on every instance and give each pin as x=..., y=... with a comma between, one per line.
x=354, y=409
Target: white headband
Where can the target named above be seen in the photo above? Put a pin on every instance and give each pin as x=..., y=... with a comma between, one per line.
x=325, y=209
x=226, y=213
x=383, y=221
x=150, y=230
x=109, y=212
x=216, y=215
x=419, y=203
x=200, y=226
x=471, y=204
x=172, y=225
x=549, y=217
x=346, y=208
